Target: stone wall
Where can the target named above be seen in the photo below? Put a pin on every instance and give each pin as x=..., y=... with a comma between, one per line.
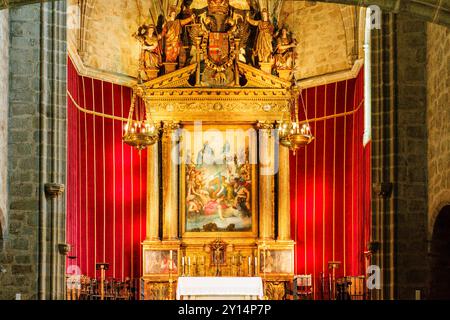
x=383, y=157
x=4, y=60
x=21, y=246
x=410, y=180
x=399, y=155
x=36, y=153
x=325, y=32
x=438, y=120
x=107, y=29
x=321, y=32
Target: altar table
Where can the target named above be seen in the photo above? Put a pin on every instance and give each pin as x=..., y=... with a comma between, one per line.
x=220, y=288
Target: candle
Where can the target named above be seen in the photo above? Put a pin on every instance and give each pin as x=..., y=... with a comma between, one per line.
x=182, y=266
x=249, y=266
x=417, y=294
x=170, y=260
x=189, y=261
x=256, y=264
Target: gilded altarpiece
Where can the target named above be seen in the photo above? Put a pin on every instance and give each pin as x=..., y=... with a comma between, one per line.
x=218, y=183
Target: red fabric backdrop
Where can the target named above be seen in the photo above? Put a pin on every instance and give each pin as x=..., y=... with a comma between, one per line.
x=330, y=181
x=106, y=181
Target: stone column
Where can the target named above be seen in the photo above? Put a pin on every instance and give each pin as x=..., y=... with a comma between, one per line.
x=284, y=204
x=170, y=181
x=52, y=246
x=266, y=181
x=152, y=220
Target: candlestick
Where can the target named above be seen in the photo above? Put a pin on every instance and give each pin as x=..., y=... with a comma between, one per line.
x=249, y=266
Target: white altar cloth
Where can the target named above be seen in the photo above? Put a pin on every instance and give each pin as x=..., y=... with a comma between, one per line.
x=210, y=287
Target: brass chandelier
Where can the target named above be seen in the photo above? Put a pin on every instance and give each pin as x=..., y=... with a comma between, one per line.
x=294, y=134
x=140, y=131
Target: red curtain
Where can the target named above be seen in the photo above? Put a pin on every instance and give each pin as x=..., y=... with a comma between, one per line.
x=330, y=182
x=106, y=180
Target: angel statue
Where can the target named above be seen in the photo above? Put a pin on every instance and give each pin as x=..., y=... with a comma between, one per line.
x=284, y=51
x=263, y=48
x=172, y=35
x=150, y=59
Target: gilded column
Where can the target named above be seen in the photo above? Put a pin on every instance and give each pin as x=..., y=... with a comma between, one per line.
x=152, y=222
x=266, y=181
x=284, y=219
x=170, y=180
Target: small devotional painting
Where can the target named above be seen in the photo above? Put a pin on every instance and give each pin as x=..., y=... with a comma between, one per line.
x=276, y=261
x=159, y=262
x=218, y=179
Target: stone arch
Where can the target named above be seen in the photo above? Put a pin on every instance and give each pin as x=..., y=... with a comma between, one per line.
x=442, y=199
x=440, y=256
x=428, y=10
x=322, y=37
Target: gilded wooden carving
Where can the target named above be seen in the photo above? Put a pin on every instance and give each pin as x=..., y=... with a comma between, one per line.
x=221, y=84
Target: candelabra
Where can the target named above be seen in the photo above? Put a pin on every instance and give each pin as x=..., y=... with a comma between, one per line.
x=292, y=133
x=140, y=131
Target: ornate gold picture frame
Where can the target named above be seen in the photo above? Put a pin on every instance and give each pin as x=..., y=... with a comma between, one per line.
x=218, y=195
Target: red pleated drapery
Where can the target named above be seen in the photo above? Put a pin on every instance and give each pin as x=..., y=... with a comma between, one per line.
x=106, y=181
x=330, y=182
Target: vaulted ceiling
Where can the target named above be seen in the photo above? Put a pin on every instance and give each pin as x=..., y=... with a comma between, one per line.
x=330, y=36
x=437, y=11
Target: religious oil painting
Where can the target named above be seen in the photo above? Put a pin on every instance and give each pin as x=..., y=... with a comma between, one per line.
x=276, y=261
x=219, y=179
x=160, y=262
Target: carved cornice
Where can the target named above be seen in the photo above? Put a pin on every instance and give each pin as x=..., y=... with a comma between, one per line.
x=64, y=248
x=176, y=79
x=218, y=110
x=53, y=190
x=86, y=71
x=265, y=125
x=269, y=100
x=261, y=79
x=169, y=127
x=331, y=77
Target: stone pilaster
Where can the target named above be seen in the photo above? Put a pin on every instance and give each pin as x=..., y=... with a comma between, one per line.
x=35, y=267
x=4, y=81
x=52, y=149
x=383, y=210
